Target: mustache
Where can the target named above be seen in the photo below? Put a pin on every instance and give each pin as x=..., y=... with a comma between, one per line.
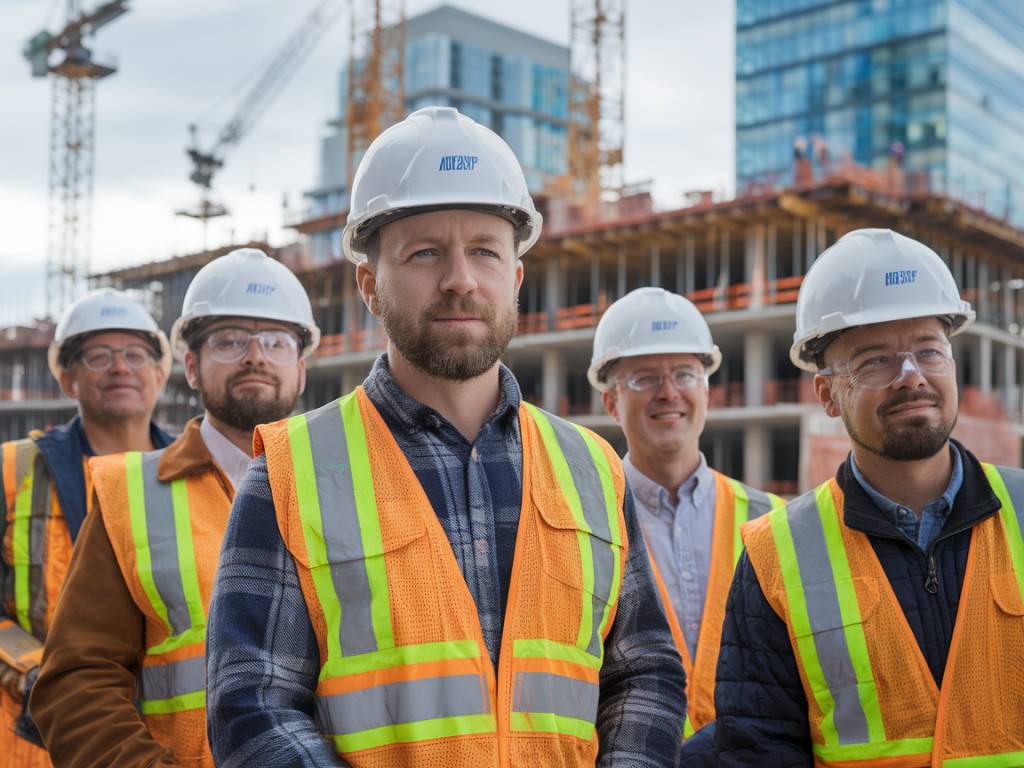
x=908, y=396
x=464, y=305
x=262, y=373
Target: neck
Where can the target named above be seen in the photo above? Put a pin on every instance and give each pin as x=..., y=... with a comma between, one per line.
x=912, y=484
x=240, y=438
x=466, y=404
x=669, y=470
x=117, y=435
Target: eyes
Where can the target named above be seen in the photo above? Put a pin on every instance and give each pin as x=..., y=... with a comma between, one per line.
x=434, y=253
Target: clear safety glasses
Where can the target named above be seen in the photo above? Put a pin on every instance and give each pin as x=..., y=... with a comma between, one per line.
x=229, y=345
x=649, y=381
x=100, y=357
x=880, y=369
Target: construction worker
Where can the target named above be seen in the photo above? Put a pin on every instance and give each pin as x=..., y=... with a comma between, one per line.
x=879, y=618
x=108, y=355
x=122, y=676
x=653, y=355
x=452, y=577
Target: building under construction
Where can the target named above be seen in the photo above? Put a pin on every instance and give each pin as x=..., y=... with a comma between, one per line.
x=740, y=261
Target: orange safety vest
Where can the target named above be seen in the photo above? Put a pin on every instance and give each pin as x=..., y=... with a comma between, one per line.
x=166, y=536
x=36, y=551
x=872, y=700
x=406, y=679
x=735, y=504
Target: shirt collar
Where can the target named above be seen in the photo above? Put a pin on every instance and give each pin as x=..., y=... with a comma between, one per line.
x=942, y=505
x=655, y=498
x=412, y=415
x=232, y=461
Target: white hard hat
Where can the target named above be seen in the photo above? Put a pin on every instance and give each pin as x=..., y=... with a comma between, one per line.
x=873, y=276
x=434, y=159
x=245, y=283
x=100, y=311
x=650, y=321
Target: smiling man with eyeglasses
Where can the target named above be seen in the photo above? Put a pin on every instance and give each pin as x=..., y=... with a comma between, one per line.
x=123, y=678
x=879, y=618
x=653, y=354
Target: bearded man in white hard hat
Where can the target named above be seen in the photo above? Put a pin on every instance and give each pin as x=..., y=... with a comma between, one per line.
x=111, y=358
x=653, y=354
x=451, y=576
x=122, y=679
x=879, y=618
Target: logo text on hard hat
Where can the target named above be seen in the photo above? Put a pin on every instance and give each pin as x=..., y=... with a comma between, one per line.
x=901, y=277
x=261, y=289
x=664, y=325
x=458, y=162
x=113, y=311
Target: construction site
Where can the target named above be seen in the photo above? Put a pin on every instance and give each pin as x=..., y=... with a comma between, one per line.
x=740, y=260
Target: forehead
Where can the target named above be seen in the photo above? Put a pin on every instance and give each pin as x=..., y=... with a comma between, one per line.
x=445, y=226
x=249, y=323
x=895, y=333
x=114, y=339
x=628, y=365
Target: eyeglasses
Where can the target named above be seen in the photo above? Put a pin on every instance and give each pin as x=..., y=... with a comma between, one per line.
x=100, y=357
x=646, y=381
x=229, y=345
x=882, y=369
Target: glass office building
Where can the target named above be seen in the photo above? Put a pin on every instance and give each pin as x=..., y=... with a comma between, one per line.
x=510, y=81
x=858, y=79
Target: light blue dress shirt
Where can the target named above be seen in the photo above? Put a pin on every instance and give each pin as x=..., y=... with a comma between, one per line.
x=679, y=539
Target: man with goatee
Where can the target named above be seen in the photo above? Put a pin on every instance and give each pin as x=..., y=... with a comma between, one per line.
x=429, y=571
x=878, y=620
x=123, y=673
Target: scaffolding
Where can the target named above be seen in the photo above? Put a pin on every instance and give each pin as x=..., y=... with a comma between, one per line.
x=375, y=92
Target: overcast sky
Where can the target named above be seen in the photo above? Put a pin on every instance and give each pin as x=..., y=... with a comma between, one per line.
x=181, y=60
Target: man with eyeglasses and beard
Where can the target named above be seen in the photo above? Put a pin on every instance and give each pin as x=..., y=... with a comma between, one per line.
x=879, y=618
x=428, y=571
x=109, y=356
x=123, y=673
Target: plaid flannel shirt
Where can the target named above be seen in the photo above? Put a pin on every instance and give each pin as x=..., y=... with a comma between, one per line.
x=262, y=655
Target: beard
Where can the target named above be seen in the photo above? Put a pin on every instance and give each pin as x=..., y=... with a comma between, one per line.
x=245, y=413
x=458, y=356
x=913, y=438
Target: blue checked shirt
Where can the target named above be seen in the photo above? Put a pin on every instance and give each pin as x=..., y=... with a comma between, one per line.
x=262, y=655
x=923, y=531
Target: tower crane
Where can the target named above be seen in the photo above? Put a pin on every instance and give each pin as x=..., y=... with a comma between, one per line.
x=254, y=102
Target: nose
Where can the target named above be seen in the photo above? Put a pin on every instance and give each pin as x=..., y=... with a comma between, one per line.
x=117, y=362
x=910, y=375
x=458, y=276
x=254, y=354
x=667, y=390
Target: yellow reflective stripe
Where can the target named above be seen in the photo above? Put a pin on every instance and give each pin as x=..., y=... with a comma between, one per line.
x=896, y=748
x=853, y=626
x=182, y=703
x=611, y=502
x=304, y=473
x=800, y=621
x=740, y=515
x=548, y=722
x=399, y=656
x=549, y=649
x=422, y=730
x=688, y=727
x=140, y=535
x=20, y=544
x=1002, y=760
x=1011, y=522
x=369, y=522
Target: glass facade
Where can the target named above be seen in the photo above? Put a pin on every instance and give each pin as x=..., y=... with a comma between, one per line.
x=854, y=78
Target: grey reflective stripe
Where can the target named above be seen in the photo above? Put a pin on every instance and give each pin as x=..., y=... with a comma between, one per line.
x=329, y=447
x=760, y=503
x=165, y=681
x=408, y=701
x=163, y=543
x=595, y=511
x=544, y=692
x=1014, y=480
x=16, y=642
x=826, y=619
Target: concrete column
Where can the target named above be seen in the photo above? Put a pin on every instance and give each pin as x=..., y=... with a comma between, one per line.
x=772, y=259
x=754, y=258
x=621, y=286
x=691, y=266
x=350, y=379
x=553, y=278
x=1011, y=394
x=596, y=404
x=552, y=380
x=756, y=455
x=984, y=316
x=757, y=347
x=655, y=265
x=723, y=255
x=985, y=364
x=595, y=276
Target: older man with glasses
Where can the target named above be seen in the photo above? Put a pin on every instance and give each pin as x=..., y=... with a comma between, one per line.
x=123, y=675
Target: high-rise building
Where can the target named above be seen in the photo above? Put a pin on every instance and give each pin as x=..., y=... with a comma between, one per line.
x=932, y=88
x=514, y=83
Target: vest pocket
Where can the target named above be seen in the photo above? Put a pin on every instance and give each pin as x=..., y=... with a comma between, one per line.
x=1006, y=593
x=575, y=557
